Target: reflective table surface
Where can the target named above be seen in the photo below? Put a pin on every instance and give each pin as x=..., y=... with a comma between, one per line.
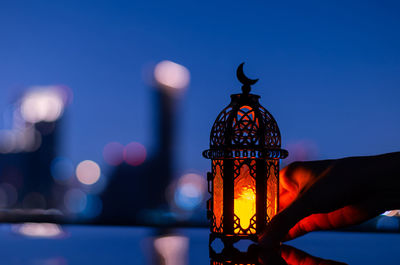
x=50, y=244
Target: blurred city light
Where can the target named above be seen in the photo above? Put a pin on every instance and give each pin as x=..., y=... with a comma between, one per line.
x=8, y=195
x=98, y=187
x=88, y=172
x=93, y=206
x=301, y=150
x=8, y=141
x=43, y=230
x=172, y=249
x=61, y=169
x=134, y=154
x=28, y=140
x=392, y=213
x=34, y=200
x=23, y=140
x=171, y=76
x=42, y=104
x=75, y=201
x=113, y=153
x=188, y=192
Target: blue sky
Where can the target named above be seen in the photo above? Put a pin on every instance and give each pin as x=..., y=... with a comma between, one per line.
x=329, y=70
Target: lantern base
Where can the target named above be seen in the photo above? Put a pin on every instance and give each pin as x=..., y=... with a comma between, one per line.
x=253, y=255
x=229, y=250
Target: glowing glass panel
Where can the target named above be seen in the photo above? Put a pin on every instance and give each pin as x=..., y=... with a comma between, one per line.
x=218, y=191
x=244, y=199
x=272, y=189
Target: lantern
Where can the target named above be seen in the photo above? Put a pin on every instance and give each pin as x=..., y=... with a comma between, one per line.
x=245, y=148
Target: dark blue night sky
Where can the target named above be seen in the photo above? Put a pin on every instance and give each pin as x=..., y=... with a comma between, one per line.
x=329, y=70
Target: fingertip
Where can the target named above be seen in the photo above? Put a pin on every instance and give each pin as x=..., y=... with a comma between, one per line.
x=277, y=229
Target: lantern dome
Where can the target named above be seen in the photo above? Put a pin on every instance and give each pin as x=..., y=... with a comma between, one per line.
x=245, y=128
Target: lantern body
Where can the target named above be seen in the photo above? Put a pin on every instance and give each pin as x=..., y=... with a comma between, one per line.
x=245, y=148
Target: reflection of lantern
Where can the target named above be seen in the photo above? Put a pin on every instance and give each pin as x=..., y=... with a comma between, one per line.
x=245, y=148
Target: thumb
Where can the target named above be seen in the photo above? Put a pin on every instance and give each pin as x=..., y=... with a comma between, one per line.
x=280, y=225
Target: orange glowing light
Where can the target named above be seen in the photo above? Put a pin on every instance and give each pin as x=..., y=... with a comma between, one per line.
x=218, y=192
x=272, y=190
x=245, y=200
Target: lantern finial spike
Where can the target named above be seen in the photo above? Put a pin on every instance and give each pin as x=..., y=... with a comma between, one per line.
x=247, y=82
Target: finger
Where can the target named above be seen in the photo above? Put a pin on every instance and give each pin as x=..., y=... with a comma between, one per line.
x=279, y=226
x=293, y=256
x=288, y=188
x=286, y=180
x=346, y=216
x=292, y=179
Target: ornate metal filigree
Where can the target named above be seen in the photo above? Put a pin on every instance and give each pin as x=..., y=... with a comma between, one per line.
x=245, y=125
x=245, y=148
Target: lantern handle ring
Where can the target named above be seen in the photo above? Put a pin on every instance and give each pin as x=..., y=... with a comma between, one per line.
x=247, y=82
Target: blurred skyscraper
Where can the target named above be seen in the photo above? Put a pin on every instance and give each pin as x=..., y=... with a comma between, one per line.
x=135, y=189
x=28, y=148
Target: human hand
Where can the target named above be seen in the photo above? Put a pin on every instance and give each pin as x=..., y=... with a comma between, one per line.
x=328, y=194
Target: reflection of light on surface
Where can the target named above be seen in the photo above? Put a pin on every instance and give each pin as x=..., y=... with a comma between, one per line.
x=388, y=223
x=88, y=172
x=113, y=153
x=171, y=75
x=46, y=230
x=34, y=200
x=75, y=200
x=51, y=261
x=392, y=213
x=134, y=154
x=190, y=191
x=42, y=104
x=61, y=169
x=172, y=249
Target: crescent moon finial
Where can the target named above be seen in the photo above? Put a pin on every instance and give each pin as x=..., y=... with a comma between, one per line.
x=247, y=82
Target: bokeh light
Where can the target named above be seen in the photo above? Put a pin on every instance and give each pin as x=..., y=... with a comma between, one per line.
x=61, y=169
x=3, y=199
x=41, y=230
x=171, y=76
x=17, y=140
x=135, y=154
x=42, y=104
x=8, y=195
x=30, y=140
x=75, y=201
x=88, y=172
x=189, y=192
x=392, y=213
x=98, y=187
x=7, y=141
x=34, y=200
x=301, y=150
x=93, y=206
x=113, y=153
